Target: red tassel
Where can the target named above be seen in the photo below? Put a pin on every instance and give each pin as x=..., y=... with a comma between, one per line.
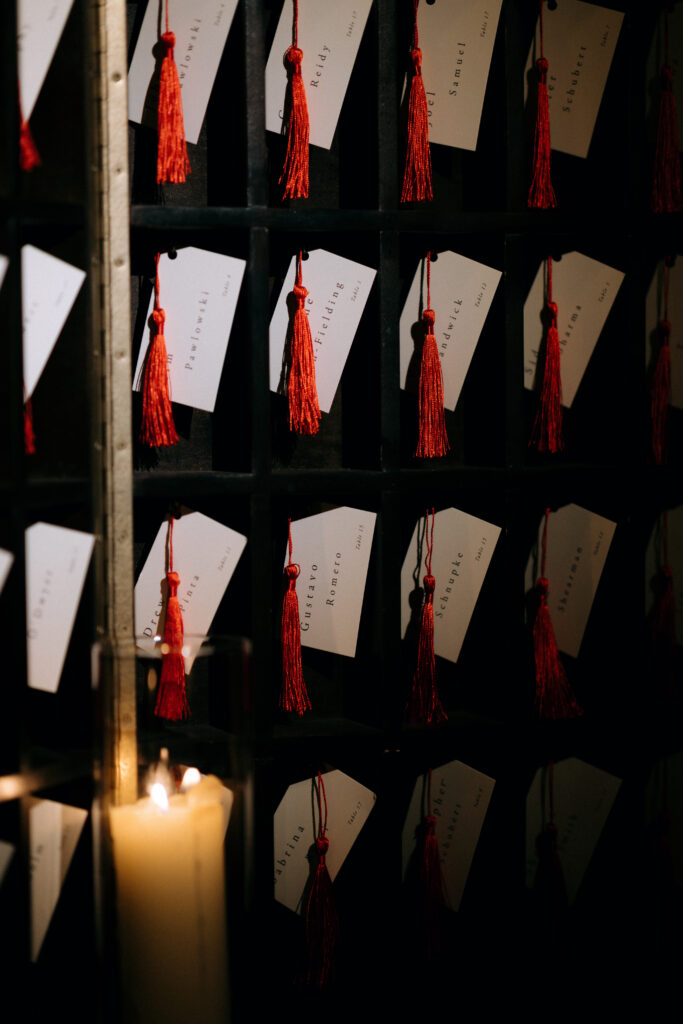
x=549, y=884
x=157, y=429
x=28, y=154
x=424, y=706
x=29, y=433
x=173, y=164
x=171, y=695
x=664, y=622
x=666, y=184
x=294, y=695
x=541, y=194
x=295, y=171
x=660, y=396
x=417, y=174
x=554, y=696
x=322, y=924
x=430, y=879
x=432, y=439
x=304, y=410
x=546, y=433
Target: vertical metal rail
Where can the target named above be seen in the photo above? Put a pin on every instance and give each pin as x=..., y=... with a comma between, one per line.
x=112, y=455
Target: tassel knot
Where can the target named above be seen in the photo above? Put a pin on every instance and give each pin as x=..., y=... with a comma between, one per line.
x=300, y=293
x=294, y=57
x=664, y=331
x=173, y=580
x=428, y=317
x=416, y=56
x=322, y=845
x=292, y=572
x=552, y=311
x=168, y=39
x=542, y=68
x=159, y=318
x=542, y=588
x=430, y=587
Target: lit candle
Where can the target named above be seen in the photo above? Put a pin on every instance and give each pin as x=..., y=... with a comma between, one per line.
x=168, y=853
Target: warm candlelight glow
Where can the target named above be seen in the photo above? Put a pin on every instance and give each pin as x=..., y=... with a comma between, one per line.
x=191, y=778
x=159, y=796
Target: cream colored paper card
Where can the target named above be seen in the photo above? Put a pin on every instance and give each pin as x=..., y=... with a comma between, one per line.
x=205, y=555
x=463, y=547
x=6, y=851
x=54, y=831
x=6, y=559
x=201, y=29
x=49, y=288
x=578, y=545
x=460, y=800
x=579, y=41
x=296, y=826
x=654, y=560
x=329, y=37
x=654, y=312
x=461, y=295
x=40, y=24
x=198, y=292
x=584, y=291
x=337, y=292
x=333, y=549
x=583, y=797
x=457, y=45
x=4, y=263
x=57, y=561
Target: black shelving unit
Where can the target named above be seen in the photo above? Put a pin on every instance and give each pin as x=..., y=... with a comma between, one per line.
x=240, y=466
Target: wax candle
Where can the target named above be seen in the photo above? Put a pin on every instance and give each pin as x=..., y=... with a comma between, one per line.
x=171, y=901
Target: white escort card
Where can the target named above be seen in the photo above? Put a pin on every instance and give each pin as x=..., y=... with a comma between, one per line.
x=457, y=44
x=296, y=828
x=205, y=555
x=329, y=36
x=460, y=800
x=6, y=851
x=584, y=291
x=461, y=295
x=654, y=312
x=201, y=29
x=54, y=831
x=333, y=549
x=579, y=40
x=578, y=545
x=337, y=292
x=654, y=560
x=463, y=547
x=6, y=559
x=583, y=798
x=49, y=287
x=198, y=292
x=57, y=561
x=39, y=28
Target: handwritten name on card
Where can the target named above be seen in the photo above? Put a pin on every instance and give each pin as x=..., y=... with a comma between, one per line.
x=584, y=291
x=654, y=312
x=579, y=41
x=462, y=291
x=201, y=29
x=583, y=798
x=463, y=548
x=578, y=545
x=205, y=556
x=199, y=293
x=457, y=44
x=333, y=549
x=40, y=24
x=329, y=36
x=460, y=800
x=49, y=288
x=57, y=561
x=296, y=826
x=54, y=831
x=337, y=292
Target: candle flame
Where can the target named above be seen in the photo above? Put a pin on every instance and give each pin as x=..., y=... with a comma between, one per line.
x=191, y=778
x=159, y=796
